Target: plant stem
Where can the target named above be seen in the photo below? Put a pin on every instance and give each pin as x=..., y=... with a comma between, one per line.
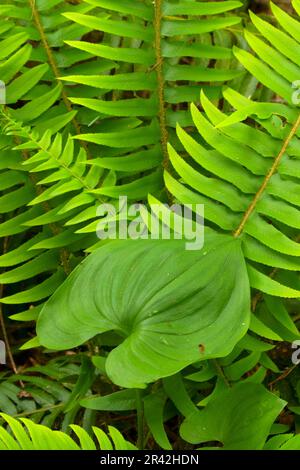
x=161, y=82
x=220, y=372
x=39, y=410
x=140, y=419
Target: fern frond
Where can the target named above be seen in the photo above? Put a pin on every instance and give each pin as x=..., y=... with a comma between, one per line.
x=27, y=435
x=49, y=394
x=33, y=54
x=148, y=45
x=247, y=176
x=242, y=180
x=277, y=64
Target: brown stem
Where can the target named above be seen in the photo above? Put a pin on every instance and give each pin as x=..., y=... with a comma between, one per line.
x=161, y=82
x=271, y=172
x=282, y=376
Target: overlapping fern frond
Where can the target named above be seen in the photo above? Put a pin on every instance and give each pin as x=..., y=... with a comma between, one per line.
x=251, y=190
x=277, y=63
x=27, y=435
x=50, y=199
x=33, y=55
x=247, y=176
x=160, y=59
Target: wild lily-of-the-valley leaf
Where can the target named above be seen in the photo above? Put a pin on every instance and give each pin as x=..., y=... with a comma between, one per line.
x=170, y=306
x=243, y=407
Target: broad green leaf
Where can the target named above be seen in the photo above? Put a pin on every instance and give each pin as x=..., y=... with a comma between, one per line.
x=239, y=418
x=167, y=315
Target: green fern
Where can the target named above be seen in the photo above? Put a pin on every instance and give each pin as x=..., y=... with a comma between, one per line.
x=95, y=93
x=49, y=204
x=146, y=80
x=50, y=394
x=33, y=54
x=247, y=177
x=27, y=435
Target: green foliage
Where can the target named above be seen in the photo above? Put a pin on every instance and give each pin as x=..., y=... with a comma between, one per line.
x=248, y=412
x=49, y=394
x=28, y=435
x=163, y=315
x=239, y=160
x=176, y=101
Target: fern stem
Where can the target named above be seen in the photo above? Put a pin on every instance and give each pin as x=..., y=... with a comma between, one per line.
x=269, y=175
x=161, y=82
x=54, y=67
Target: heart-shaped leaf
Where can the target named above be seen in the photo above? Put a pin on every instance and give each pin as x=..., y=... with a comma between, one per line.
x=172, y=306
x=248, y=412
